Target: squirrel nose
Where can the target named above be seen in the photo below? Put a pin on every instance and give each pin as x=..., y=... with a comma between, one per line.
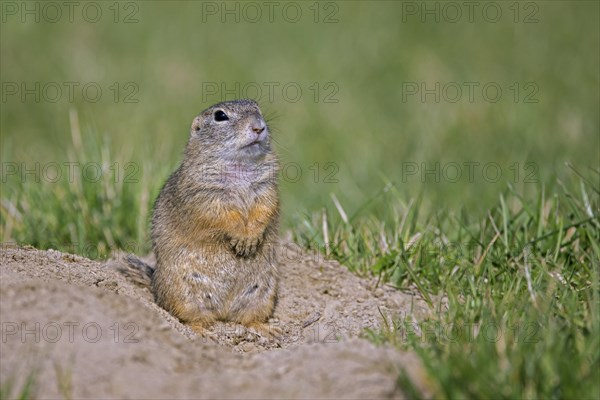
x=258, y=125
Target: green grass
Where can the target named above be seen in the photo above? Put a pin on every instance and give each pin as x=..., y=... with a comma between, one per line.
x=520, y=253
x=104, y=205
x=25, y=392
x=514, y=295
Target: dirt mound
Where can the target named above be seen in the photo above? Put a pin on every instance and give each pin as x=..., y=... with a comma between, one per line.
x=78, y=329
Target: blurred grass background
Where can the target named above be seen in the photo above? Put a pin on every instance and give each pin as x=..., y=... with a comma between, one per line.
x=372, y=49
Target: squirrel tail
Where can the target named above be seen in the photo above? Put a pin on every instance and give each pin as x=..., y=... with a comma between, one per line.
x=137, y=271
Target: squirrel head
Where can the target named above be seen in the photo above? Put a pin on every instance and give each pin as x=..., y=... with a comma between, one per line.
x=233, y=131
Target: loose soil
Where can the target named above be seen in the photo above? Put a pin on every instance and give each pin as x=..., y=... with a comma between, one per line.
x=79, y=329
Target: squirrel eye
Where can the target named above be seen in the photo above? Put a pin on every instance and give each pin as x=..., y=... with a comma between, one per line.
x=221, y=116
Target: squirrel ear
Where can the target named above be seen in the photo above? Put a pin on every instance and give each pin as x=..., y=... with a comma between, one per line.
x=196, y=124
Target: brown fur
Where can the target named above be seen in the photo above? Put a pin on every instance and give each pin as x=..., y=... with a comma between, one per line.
x=215, y=222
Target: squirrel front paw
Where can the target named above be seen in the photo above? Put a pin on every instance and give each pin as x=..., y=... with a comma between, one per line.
x=244, y=247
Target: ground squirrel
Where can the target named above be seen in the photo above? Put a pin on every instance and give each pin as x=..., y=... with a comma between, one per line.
x=215, y=222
